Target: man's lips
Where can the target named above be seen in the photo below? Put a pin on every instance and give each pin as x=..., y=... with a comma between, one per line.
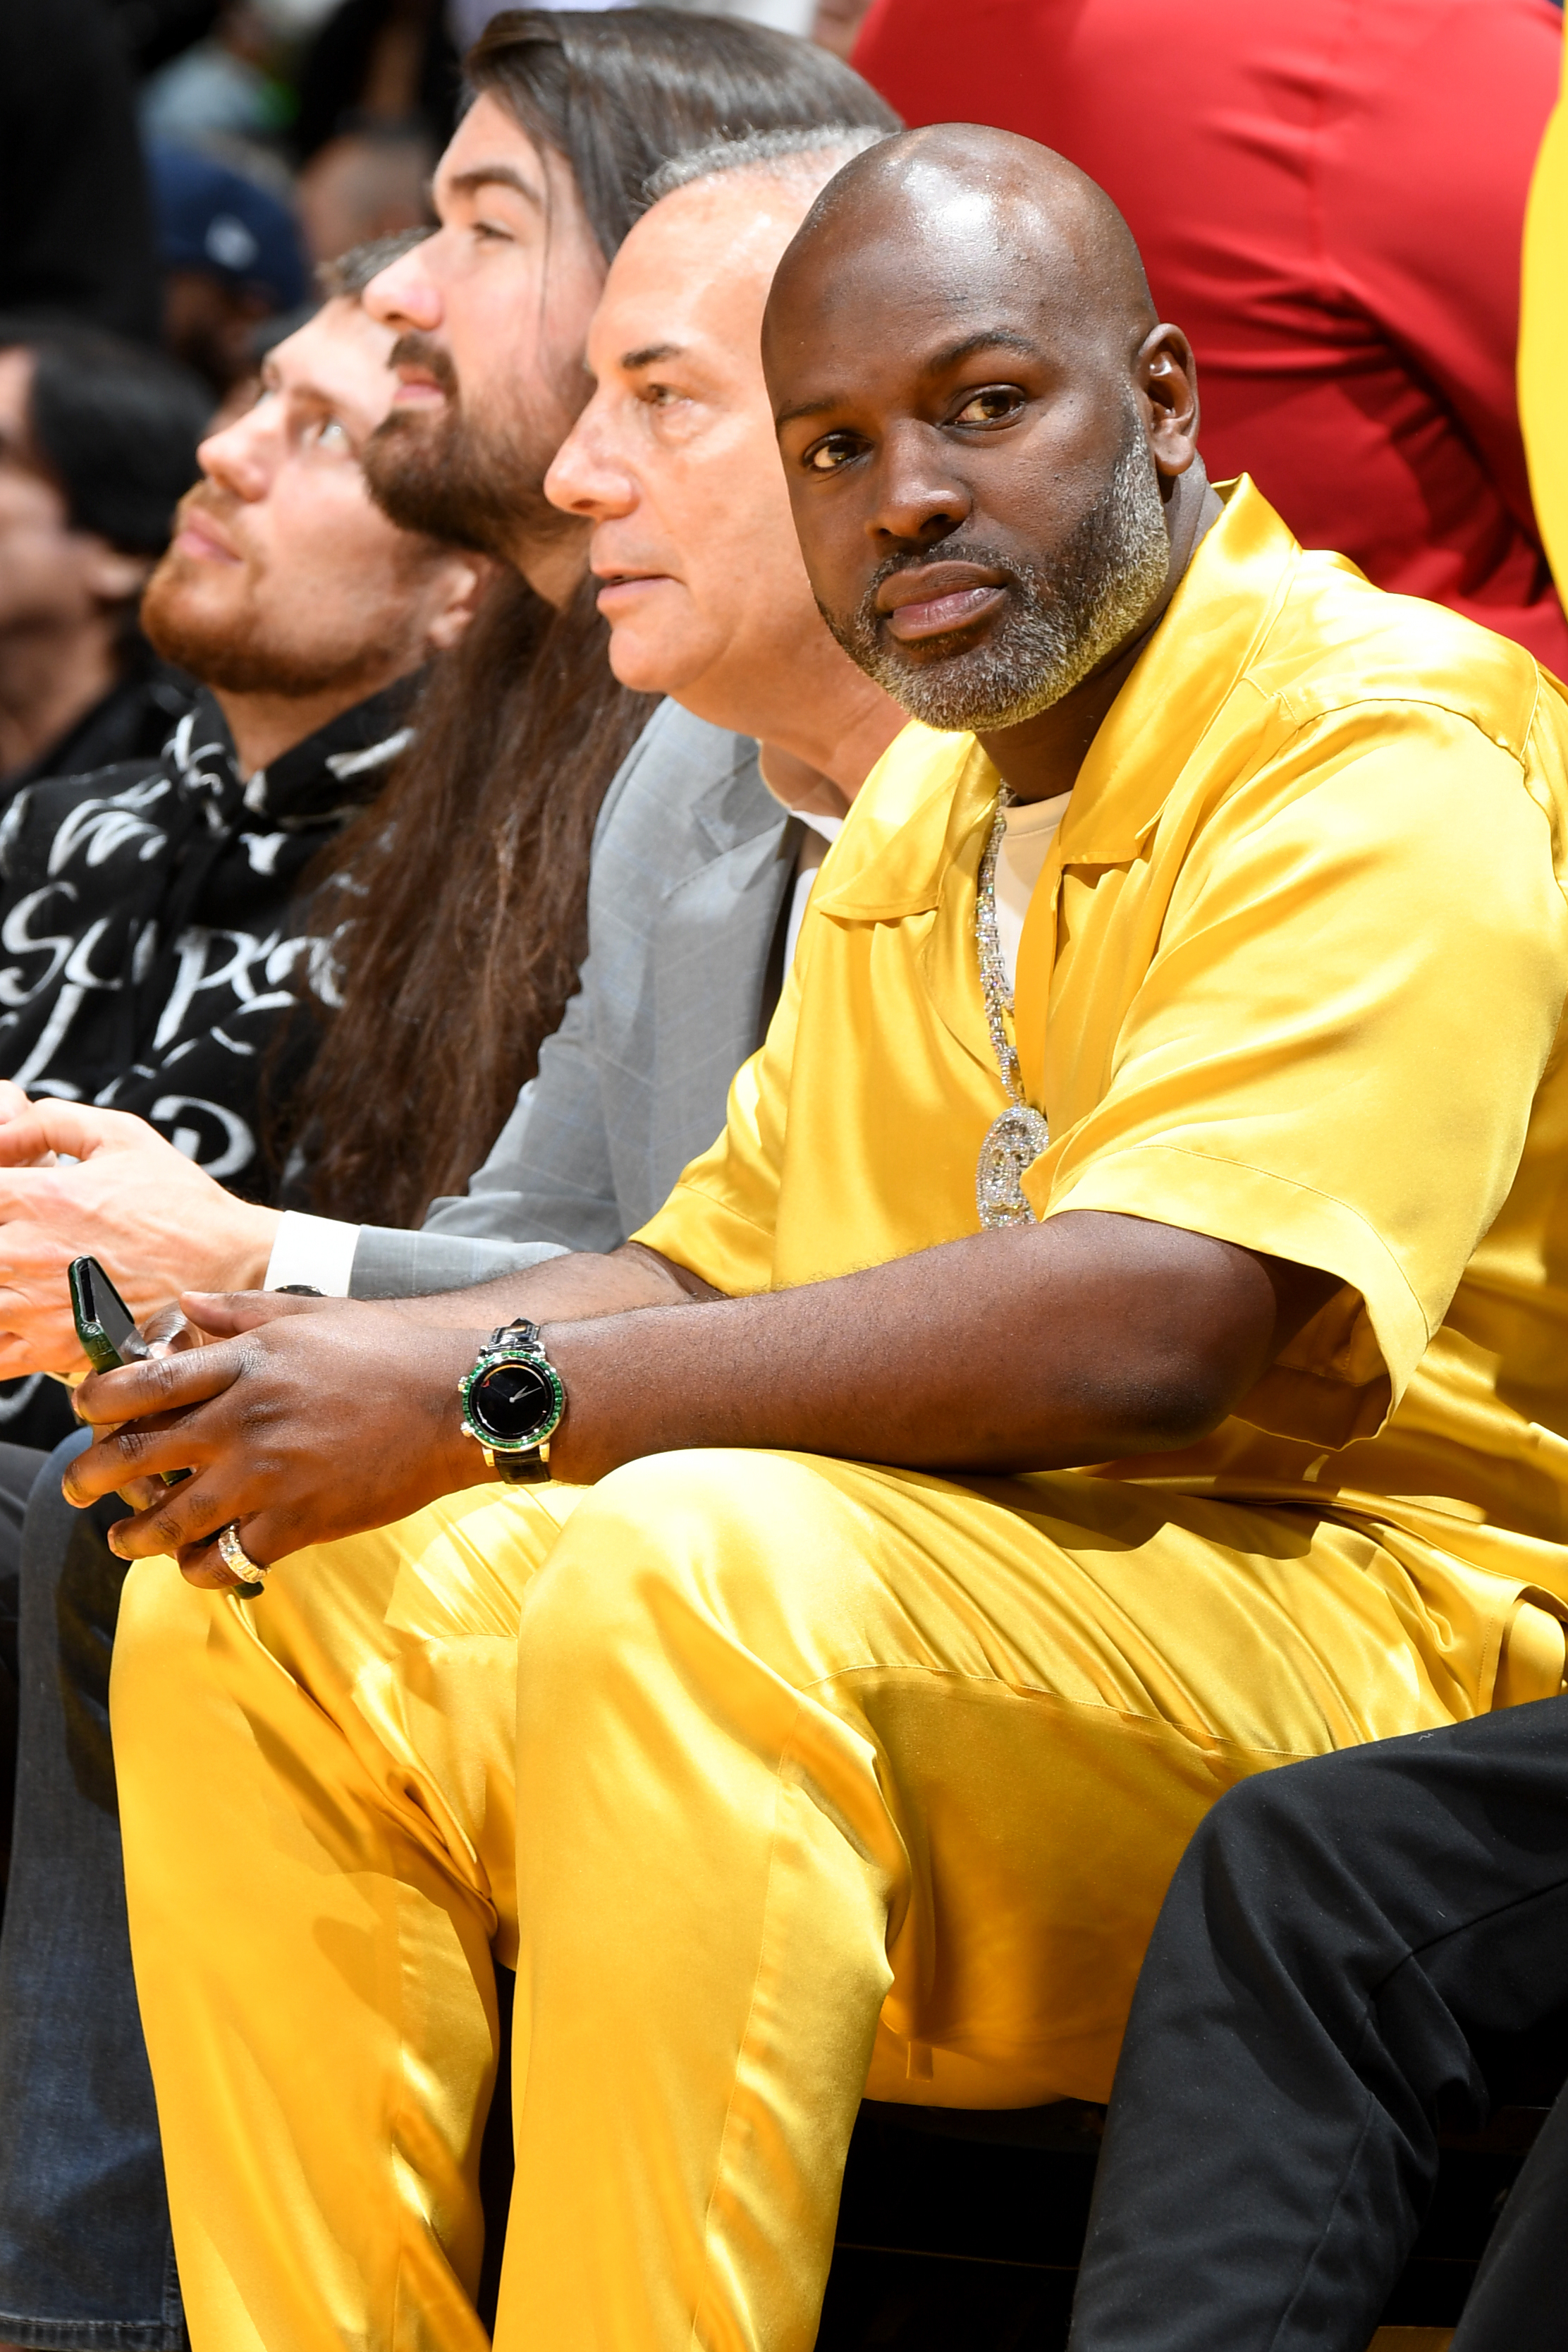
x=937, y=599
x=619, y=589
x=417, y=388
x=200, y=536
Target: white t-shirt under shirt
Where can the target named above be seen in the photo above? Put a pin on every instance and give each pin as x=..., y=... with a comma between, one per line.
x=819, y=835
x=1028, y=828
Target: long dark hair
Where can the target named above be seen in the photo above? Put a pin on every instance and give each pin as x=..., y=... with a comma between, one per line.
x=458, y=908
x=457, y=905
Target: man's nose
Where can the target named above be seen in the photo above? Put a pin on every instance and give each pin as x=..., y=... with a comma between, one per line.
x=405, y=295
x=239, y=458
x=585, y=477
x=918, y=495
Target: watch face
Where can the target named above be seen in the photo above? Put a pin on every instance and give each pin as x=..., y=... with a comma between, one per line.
x=516, y=1403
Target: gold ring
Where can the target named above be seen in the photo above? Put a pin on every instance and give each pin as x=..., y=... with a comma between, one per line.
x=235, y=1558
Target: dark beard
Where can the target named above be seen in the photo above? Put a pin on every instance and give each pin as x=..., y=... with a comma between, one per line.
x=452, y=478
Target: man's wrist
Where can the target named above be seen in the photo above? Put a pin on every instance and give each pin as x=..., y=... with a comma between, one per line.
x=252, y=1230
x=308, y=1252
x=513, y=1401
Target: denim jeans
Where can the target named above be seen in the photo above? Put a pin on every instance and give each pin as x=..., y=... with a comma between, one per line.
x=85, y=2256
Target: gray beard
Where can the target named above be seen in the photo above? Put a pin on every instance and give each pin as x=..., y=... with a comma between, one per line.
x=1059, y=625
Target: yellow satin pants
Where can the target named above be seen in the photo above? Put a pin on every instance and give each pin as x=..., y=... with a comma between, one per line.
x=779, y=1780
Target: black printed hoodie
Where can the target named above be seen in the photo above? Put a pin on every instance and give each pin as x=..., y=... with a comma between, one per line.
x=150, y=927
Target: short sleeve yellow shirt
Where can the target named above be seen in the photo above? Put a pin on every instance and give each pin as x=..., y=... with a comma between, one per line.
x=1293, y=976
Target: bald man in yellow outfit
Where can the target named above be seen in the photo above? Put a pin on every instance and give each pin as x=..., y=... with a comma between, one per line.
x=1030, y=1418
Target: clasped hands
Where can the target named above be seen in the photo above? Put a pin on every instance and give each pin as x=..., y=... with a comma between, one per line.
x=303, y=1420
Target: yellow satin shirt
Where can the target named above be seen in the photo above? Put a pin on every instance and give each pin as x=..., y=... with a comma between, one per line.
x=1293, y=975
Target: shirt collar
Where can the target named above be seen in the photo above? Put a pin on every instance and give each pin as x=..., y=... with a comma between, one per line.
x=1202, y=646
x=342, y=764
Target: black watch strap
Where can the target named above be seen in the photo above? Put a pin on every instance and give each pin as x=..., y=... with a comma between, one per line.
x=521, y=1469
x=520, y=1330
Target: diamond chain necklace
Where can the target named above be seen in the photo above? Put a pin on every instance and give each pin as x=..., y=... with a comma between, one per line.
x=1015, y=1139
x=994, y=979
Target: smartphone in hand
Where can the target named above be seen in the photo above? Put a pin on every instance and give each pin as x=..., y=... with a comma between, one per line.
x=105, y=1325
x=107, y=1328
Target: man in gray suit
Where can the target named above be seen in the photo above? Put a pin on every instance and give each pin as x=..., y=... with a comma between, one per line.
x=698, y=871
x=693, y=876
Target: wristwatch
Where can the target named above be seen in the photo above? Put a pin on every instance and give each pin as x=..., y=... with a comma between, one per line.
x=513, y=1399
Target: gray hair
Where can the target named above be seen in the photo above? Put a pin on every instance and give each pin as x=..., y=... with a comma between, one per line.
x=780, y=155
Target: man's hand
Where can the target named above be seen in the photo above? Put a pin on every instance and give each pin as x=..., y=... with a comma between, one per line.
x=318, y=1418
x=1090, y=1339
x=155, y=1222
x=308, y=1419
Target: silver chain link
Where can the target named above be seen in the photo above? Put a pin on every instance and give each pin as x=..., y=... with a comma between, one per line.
x=994, y=981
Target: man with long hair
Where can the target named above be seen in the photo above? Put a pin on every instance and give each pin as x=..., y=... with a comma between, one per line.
x=463, y=896
x=481, y=869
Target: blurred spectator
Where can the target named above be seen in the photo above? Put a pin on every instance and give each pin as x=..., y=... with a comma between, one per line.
x=384, y=66
x=76, y=228
x=231, y=258
x=98, y=443
x=363, y=185
x=153, y=31
x=222, y=87
x=1330, y=199
x=836, y=24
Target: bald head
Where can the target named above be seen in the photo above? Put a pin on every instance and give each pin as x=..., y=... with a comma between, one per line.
x=980, y=196
x=969, y=378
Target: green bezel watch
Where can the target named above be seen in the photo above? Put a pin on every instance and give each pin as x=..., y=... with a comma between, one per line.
x=513, y=1399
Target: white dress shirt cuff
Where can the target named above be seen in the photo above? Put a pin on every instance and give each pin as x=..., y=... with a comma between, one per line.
x=315, y=1250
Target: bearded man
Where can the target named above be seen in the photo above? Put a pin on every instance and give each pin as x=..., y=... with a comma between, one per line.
x=1111, y=1350
x=149, y=933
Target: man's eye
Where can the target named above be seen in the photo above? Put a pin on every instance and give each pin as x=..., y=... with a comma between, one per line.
x=833, y=450
x=989, y=406
x=330, y=433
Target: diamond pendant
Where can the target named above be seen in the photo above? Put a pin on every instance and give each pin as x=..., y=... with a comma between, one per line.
x=1013, y=1143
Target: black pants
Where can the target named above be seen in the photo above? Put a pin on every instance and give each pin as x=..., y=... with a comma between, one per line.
x=1346, y=1945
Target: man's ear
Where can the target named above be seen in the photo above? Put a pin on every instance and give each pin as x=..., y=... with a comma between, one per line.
x=108, y=573
x=1166, y=373
x=457, y=593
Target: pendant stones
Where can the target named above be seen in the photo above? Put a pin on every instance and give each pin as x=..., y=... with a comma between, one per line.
x=1013, y=1143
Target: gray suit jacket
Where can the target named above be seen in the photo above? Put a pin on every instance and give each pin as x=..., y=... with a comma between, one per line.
x=693, y=859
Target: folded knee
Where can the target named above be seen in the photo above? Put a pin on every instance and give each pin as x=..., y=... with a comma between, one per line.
x=681, y=1548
